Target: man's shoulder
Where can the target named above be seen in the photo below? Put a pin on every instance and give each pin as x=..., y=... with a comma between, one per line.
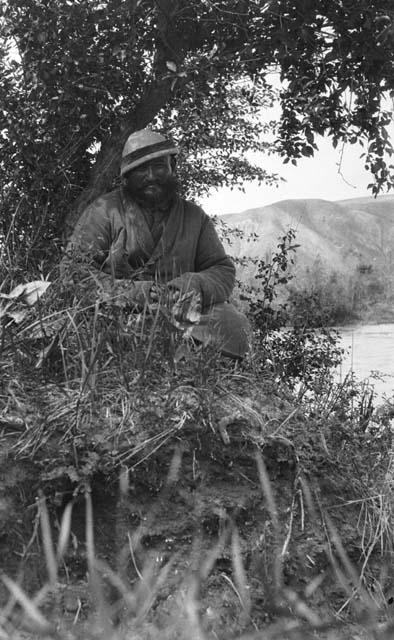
x=102, y=211
x=193, y=209
x=109, y=199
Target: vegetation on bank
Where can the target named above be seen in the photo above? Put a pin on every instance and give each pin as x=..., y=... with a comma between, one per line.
x=328, y=298
x=198, y=497
x=322, y=297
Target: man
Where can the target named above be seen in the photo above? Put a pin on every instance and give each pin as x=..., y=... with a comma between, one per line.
x=148, y=245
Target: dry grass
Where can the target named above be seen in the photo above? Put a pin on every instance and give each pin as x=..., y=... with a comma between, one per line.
x=89, y=389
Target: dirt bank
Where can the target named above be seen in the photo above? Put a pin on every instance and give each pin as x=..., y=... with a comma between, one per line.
x=206, y=520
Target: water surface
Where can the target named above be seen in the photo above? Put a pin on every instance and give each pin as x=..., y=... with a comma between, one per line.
x=370, y=348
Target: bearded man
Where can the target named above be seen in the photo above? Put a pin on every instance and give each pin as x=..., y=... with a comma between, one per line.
x=146, y=245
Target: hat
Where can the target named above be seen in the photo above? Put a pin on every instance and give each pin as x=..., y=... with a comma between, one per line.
x=142, y=146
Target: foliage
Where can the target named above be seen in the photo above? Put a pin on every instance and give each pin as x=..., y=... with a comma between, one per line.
x=303, y=356
x=324, y=297
x=272, y=275
x=325, y=303
x=78, y=77
x=292, y=338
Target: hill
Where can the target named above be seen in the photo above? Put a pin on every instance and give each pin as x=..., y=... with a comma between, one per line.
x=352, y=239
x=345, y=232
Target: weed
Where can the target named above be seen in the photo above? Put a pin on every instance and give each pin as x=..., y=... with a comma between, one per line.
x=219, y=498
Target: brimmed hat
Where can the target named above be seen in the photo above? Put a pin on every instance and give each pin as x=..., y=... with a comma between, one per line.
x=142, y=146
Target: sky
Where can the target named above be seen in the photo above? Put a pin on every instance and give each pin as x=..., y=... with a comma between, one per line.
x=330, y=175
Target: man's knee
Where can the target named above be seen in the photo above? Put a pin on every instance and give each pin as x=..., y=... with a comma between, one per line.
x=227, y=327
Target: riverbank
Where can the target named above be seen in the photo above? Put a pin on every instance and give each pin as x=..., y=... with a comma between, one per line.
x=207, y=497
x=378, y=313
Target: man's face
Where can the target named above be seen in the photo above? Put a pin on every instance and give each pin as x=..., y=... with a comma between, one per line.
x=152, y=184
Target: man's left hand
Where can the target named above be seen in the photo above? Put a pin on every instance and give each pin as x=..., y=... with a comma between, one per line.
x=161, y=293
x=187, y=308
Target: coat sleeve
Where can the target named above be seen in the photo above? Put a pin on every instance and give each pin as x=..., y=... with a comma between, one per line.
x=92, y=251
x=214, y=274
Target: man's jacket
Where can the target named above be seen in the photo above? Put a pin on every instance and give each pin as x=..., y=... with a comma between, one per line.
x=114, y=237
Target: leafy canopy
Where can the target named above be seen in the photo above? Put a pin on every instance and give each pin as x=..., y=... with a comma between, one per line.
x=78, y=76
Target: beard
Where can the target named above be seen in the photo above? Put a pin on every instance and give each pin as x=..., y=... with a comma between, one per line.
x=152, y=194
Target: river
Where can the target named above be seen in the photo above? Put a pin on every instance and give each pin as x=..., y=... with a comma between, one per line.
x=370, y=348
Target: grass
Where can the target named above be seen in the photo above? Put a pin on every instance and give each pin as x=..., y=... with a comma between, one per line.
x=203, y=498
x=294, y=616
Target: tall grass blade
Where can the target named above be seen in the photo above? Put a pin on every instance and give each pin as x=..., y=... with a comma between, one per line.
x=103, y=609
x=50, y=556
x=30, y=609
x=64, y=533
x=272, y=509
x=239, y=573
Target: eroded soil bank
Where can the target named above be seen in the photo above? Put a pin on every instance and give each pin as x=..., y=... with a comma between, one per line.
x=215, y=524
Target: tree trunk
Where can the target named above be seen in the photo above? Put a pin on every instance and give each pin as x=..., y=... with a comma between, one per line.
x=170, y=46
x=107, y=165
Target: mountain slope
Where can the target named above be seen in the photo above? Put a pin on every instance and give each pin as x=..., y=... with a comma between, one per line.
x=343, y=235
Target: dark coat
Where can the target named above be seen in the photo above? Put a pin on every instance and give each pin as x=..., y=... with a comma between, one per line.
x=114, y=235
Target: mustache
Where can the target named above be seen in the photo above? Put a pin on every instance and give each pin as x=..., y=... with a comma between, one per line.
x=169, y=187
x=161, y=181
x=157, y=180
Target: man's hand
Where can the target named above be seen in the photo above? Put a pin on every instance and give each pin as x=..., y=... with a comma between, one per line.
x=167, y=295
x=187, y=308
x=184, y=307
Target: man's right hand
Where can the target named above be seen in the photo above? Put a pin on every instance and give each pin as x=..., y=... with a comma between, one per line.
x=161, y=293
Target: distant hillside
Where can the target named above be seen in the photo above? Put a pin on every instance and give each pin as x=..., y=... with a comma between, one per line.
x=347, y=237
x=342, y=234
